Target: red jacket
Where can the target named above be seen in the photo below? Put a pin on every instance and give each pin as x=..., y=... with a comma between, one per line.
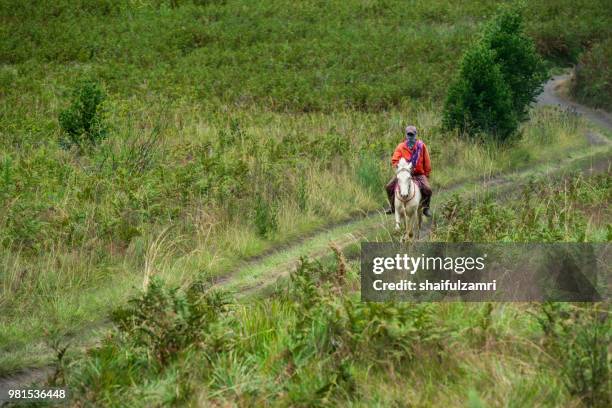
x=423, y=164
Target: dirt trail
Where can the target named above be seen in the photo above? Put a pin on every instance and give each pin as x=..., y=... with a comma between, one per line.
x=555, y=93
x=552, y=95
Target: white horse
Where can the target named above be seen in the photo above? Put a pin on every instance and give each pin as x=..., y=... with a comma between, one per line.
x=407, y=201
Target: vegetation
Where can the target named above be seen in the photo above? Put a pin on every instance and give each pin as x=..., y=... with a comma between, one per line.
x=98, y=222
x=521, y=66
x=593, y=81
x=364, y=54
x=313, y=343
x=480, y=101
x=578, y=337
x=500, y=76
x=564, y=213
x=563, y=30
x=82, y=121
x=203, y=133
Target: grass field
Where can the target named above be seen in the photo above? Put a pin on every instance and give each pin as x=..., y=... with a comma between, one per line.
x=235, y=127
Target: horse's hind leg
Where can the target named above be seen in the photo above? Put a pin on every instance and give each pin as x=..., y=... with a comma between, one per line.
x=397, y=219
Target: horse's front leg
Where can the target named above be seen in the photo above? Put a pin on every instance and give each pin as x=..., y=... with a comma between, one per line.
x=408, y=224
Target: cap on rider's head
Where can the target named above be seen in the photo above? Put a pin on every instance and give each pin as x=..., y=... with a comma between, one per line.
x=411, y=131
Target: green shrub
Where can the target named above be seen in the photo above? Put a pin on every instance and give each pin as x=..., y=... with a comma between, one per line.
x=338, y=324
x=522, y=68
x=499, y=77
x=82, y=121
x=479, y=100
x=160, y=328
x=593, y=82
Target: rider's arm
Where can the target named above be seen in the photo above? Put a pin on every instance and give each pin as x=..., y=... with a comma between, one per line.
x=426, y=161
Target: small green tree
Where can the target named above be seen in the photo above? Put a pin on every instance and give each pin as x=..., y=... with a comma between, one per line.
x=82, y=121
x=479, y=100
x=521, y=66
x=500, y=75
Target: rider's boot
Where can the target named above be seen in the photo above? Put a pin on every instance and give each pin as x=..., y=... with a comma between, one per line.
x=426, y=201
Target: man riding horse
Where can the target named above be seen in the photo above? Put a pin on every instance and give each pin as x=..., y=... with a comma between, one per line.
x=414, y=151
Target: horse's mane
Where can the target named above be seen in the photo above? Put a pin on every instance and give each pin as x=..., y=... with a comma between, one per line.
x=404, y=164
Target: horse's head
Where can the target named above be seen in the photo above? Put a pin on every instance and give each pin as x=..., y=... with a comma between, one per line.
x=404, y=176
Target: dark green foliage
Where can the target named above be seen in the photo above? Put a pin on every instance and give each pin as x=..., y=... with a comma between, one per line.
x=578, y=337
x=593, y=81
x=480, y=100
x=337, y=330
x=83, y=122
x=499, y=77
x=521, y=67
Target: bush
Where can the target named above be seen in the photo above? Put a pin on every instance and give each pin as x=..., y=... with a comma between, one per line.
x=499, y=77
x=82, y=122
x=335, y=331
x=593, y=82
x=480, y=100
x=520, y=65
